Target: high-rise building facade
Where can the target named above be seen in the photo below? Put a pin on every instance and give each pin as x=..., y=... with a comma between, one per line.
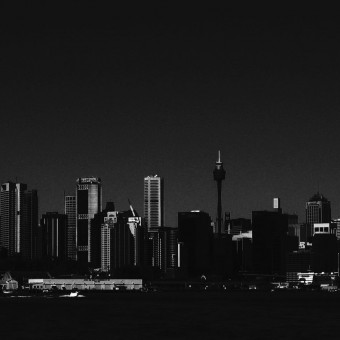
x=120, y=240
x=195, y=235
x=269, y=233
x=14, y=233
x=71, y=213
x=318, y=210
x=54, y=235
x=154, y=201
x=162, y=248
x=89, y=203
x=29, y=242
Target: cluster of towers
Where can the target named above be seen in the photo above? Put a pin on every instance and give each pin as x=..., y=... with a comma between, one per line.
x=109, y=240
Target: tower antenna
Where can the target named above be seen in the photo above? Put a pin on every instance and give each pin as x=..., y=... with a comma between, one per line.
x=219, y=176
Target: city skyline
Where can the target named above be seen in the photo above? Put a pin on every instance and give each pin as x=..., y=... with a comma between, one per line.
x=137, y=95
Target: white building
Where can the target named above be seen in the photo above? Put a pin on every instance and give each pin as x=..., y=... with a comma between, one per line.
x=153, y=201
x=109, y=221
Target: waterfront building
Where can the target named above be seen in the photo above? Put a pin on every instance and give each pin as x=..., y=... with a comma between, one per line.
x=153, y=201
x=54, y=235
x=70, y=210
x=89, y=203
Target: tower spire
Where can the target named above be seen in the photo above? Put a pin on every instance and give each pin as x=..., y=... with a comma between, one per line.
x=219, y=176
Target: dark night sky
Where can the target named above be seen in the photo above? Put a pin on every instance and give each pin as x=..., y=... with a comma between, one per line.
x=127, y=95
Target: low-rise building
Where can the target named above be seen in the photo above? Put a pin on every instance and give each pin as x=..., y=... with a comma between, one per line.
x=85, y=284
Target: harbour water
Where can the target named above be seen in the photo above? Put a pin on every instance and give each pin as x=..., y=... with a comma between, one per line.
x=172, y=315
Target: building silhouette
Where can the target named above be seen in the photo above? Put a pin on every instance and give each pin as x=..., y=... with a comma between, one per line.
x=269, y=233
x=71, y=213
x=195, y=236
x=54, y=235
x=324, y=248
x=153, y=201
x=89, y=203
x=30, y=237
x=121, y=240
x=19, y=220
x=162, y=247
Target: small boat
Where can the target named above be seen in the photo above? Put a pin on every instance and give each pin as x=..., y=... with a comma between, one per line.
x=74, y=294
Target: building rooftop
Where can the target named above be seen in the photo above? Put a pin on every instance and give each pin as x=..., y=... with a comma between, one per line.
x=317, y=198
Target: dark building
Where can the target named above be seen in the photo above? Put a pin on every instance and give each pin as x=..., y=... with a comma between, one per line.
x=324, y=253
x=299, y=261
x=162, y=244
x=239, y=225
x=122, y=237
x=89, y=203
x=54, y=235
x=195, y=237
x=30, y=221
x=242, y=253
x=318, y=210
x=269, y=242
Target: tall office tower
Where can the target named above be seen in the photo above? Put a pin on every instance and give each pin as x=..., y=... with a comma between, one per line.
x=96, y=225
x=118, y=237
x=12, y=203
x=54, y=235
x=269, y=242
x=219, y=176
x=71, y=213
x=318, y=210
x=153, y=201
x=162, y=247
x=106, y=239
x=89, y=203
x=195, y=238
x=30, y=221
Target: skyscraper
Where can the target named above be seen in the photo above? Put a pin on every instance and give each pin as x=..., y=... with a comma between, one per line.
x=54, y=235
x=195, y=235
x=29, y=242
x=269, y=242
x=12, y=216
x=154, y=201
x=71, y=213
x=89, y=203
x=318, y=210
